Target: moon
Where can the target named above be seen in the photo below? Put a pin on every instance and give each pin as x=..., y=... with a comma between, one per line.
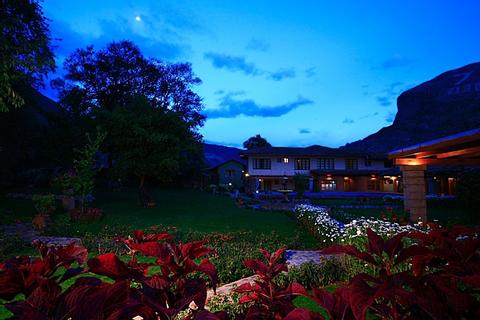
x=138, y=18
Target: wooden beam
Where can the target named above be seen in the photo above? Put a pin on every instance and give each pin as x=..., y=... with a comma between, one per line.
x=457, y=153
x=417, y=162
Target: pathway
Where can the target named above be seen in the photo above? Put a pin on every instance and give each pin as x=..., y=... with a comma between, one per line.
x=27, y=233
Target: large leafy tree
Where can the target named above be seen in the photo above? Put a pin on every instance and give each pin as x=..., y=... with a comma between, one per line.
x=112, y=76
x=148, y=142
x=148, y=108
x=256, y=142
x=25, y=52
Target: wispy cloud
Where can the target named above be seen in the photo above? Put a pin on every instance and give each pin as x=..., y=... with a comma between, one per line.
x=231, y=63
x=388, y=95
x=390, y=116
x=281, y=74
x=395, y=61
x=311, y=72
x=384, y=101
x=348, y=121
x=240, y=64
x=256, y=44
x=304, y=131
x=230, y=107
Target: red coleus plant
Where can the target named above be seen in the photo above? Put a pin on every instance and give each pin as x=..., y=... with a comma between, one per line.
x=271, y=301
x=443, y=281
x=135, y=292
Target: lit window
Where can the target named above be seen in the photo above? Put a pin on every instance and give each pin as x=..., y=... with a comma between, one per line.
x=285, y=160
x=328, y=185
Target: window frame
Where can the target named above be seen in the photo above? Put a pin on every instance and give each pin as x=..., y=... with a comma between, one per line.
x=351, y=164
x=302, y=164
x=262, y=163
x=326, y=163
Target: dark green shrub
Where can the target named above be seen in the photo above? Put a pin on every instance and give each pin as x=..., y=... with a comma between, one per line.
x=314, y=275
x=232, y=249
x=301, y=184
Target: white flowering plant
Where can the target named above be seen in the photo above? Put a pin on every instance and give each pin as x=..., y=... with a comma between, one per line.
x=328, y=230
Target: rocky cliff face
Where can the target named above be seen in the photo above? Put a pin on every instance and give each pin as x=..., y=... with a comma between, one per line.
x=447, y=104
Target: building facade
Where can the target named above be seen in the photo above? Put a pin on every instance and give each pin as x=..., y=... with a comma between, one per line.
x=327, y=169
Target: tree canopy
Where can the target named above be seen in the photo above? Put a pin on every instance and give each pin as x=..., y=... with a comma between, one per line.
x=146, y=141
x=25, y=51
x=111, y=77
x=256, y=142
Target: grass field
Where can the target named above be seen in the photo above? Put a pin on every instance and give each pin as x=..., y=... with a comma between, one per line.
x=185, y=209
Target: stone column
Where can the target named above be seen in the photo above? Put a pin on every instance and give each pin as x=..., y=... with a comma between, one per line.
x=414, y=192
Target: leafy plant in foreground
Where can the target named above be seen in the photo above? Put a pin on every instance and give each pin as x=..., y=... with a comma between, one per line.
x=443, y=281
x=270, y=300
x=136, y=290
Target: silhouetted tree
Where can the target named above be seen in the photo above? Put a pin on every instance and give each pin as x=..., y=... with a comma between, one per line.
x=256, y=142
x=113, y=76
x=148, y=142
x=25, y=55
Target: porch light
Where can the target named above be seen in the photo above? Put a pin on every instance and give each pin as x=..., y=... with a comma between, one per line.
x=346, y=178
x=247, y=175
x=260, y=180
x=285, y=160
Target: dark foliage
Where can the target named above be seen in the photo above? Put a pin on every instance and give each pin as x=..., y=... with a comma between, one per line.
x=271, y=301
x=443, y=281
x=136, y=290
x=26, y=55
x=256, y=142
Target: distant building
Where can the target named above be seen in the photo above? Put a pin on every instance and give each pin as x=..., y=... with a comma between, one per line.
x=225, y=167
x=328, y=169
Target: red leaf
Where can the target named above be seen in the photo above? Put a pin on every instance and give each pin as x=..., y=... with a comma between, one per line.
x=375, y=243
x=361, y=297
x=277, y=255
x=248, y=298
x=245, y=287
x=412, y=251
x=294, y=289
x=158, y=237
x=151, y=248
x=194, y=250
x=138, y=235
x=71, y=253
x=209, y=269
x=109, y=265
x=301, y=314
x=256, y=265
x=394, y=244
x=90, y=301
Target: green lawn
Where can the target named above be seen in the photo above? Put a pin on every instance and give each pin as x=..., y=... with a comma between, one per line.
x=185, y=209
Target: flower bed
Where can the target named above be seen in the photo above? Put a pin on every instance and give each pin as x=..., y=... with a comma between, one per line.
x=318, y=221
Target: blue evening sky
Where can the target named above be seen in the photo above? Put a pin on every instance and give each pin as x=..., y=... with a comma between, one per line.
x=296, y=72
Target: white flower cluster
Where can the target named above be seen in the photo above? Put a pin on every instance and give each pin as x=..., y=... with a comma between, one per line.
x=331, y=230
x=358, y=228
x=327, y=227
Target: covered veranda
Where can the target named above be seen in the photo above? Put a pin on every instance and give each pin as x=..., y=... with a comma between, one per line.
x=462, y=149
